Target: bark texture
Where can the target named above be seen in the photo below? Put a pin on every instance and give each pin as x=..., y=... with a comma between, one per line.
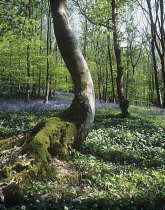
x=124, y=103
x=82, y=109
x=54, y=136
x=158, y=39
x=32, y=152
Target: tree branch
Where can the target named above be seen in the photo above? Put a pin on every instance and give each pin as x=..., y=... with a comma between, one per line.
x=12, y=4
x=106, y=25
x=1, y=2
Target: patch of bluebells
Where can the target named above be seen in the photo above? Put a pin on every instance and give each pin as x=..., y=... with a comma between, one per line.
x=63, y=100
x=33, y=105
x=105, y=104
x=64, y=93
x=60, y=102
x=150, y=110
x=47, y=106
x=156, y=112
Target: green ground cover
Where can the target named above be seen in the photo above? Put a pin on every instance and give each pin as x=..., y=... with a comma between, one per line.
x=121, y=166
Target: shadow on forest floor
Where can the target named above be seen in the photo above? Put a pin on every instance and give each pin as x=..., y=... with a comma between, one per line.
x=132, y=151
x=142, y=141
x=133, y=123
x=105, y=203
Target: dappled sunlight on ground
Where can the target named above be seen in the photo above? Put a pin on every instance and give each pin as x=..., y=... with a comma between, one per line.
x=121, y=166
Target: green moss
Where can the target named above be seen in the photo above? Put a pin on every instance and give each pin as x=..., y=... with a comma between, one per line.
x=20, y=167
x=11, y=142
x=41, y=171
x=83, y=85
x=72, y=178
x=3, y=173
x=78, y=110
x=51, y=138
x=4, y=141
x=48, y=139
x=12, y=194
x=54, y=138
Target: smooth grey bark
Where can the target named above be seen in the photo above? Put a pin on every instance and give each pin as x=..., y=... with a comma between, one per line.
x=82, y=109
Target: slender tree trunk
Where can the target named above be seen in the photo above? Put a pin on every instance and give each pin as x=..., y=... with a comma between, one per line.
x=159, y=101
x=28, y=59
x=99, y=86
x=41, y=38
x=10, y=75
x=158, y=34
x=85, y=32
x=85, y=38
x=111, y=70
x=28, y=73
x=82, y=108
x=39, y=84
x=106, y=81
x=124, y=103
x=162, y=40
x=47, y=60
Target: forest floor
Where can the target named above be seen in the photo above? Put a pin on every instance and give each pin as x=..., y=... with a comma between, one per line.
x=122, y=165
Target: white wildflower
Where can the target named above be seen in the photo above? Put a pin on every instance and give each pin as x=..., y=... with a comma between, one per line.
x=2, y=198
x=77, y=200
x=37, y=201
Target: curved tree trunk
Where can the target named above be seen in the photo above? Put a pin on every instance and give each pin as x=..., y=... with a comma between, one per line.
x=82, y=109
x=52, y=137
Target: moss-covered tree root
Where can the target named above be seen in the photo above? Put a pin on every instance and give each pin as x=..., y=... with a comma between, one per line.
x=28, y=158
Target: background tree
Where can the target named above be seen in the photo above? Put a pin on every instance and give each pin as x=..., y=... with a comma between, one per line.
x=142, y=79
x=48, y=52
x=154, y=12
x=110, y=26
x=124, y=103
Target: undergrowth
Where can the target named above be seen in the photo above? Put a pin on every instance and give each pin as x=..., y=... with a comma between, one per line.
x=121, y=166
